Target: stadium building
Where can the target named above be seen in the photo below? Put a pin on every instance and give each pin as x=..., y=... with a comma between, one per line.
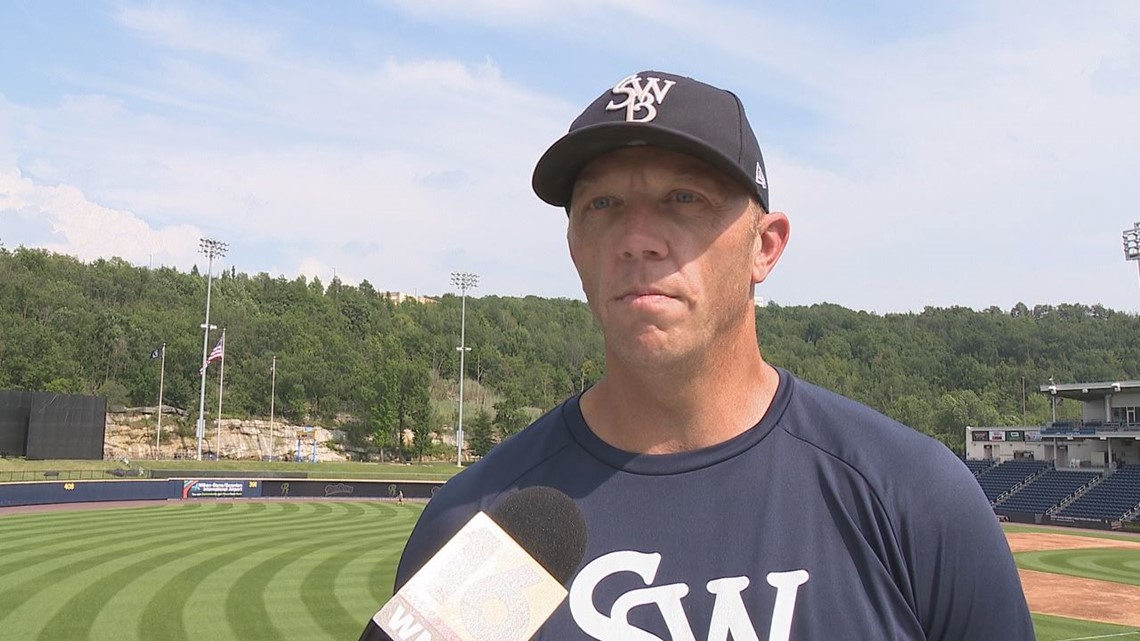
x=1082, y=472
x=1106, y=436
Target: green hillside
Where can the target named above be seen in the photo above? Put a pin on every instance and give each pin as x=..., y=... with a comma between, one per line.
x=351, y=354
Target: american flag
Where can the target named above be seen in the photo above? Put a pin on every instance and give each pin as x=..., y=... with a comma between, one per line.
x=219, y=351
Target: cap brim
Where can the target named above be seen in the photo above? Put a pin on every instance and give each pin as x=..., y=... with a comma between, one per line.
x=558, y=169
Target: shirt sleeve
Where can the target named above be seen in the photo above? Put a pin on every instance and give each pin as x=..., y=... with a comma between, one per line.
x=964, y=580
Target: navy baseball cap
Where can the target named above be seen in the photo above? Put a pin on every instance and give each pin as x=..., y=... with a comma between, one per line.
x=656, y=109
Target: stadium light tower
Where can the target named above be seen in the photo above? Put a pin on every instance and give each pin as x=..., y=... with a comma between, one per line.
x=211, y=249
x=464, y=281
x=1131, y=239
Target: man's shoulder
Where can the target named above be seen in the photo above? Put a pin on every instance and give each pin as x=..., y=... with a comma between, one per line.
x=873, y=444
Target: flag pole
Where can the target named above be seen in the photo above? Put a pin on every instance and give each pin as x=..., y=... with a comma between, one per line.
x=221, y=382
x=161, y=380
x=272, y=397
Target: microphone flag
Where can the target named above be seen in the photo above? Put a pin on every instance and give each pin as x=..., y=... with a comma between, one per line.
x=480, y=586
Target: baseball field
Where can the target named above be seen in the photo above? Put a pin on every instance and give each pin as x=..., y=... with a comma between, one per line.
x=222, y=571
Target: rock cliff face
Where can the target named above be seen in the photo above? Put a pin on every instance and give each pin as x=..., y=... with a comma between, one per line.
x=131, y=434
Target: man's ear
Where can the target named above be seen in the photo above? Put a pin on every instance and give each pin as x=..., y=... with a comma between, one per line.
x=771, y=238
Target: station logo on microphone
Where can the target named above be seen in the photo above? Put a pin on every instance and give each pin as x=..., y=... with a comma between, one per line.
x=481, y=586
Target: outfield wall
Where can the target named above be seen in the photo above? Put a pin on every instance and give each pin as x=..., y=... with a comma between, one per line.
x=48, y=492
x=1069, y=521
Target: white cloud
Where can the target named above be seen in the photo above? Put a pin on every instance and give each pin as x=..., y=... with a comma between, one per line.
x=978, y=164
x=426, y=159
x=200, y=31
x=956, y=165
x=88, y=231
x=512, y=12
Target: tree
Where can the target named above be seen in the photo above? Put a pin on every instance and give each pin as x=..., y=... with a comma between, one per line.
x=480, y=433
x=509, y=417
x=413, y=406
x=355, y=356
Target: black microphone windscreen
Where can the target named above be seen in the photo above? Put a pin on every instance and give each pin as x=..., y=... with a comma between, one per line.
x=548, y=525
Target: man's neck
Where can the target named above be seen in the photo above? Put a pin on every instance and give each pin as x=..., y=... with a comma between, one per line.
x=675, y=409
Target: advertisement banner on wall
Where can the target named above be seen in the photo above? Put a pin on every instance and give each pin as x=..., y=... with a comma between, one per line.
x=1033, y=435
x=218, y=488
x=1015, y=435
x=997, y=435
x=979, y=435
x=347, y=489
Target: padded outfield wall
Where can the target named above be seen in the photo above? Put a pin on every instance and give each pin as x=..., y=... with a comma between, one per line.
x=46, y=425
x=48, y=492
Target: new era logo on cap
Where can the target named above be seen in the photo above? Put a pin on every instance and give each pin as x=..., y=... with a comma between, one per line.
x=661, y=110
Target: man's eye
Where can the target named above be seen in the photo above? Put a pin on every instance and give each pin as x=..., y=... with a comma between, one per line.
x=601, y=202
x=685, y=197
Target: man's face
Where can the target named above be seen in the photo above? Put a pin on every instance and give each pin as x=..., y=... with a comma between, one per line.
x=667, y=249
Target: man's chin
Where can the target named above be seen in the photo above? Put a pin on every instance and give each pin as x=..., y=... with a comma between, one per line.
x=652, y=348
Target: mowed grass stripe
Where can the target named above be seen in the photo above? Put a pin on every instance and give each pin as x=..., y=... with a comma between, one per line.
x=1105, y=564
x=102, y=516
x=201, y=607
x=72, y=580
x=46, y=527
x=123, y=612
x=244, y=547
x=1052, y=628
x=56, y=568
x=123, y=562
x=334, y=591
x=266, y=585
x=78, y=614
x=26, y=584
x=74, y=618
x=142, y=524
x=249, y=618
x=283, y=603
x=198, y=606
x=134, y=521
x=382, y=574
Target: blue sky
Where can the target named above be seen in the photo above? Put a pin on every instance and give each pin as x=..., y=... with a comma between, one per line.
x=937, y=153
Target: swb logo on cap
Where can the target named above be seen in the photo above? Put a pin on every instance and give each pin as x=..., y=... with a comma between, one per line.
x=640, y=98
x=656, y=109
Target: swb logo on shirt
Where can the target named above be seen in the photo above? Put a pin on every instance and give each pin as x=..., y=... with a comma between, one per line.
x=729, y=615
x=641, y=100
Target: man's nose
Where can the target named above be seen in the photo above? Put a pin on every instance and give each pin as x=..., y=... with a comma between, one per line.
x=642, y=232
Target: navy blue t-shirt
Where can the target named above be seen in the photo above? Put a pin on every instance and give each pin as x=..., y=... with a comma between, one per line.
x=826, y=520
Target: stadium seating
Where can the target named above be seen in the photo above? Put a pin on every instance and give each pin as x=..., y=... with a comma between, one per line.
x=1111, y=499
x=1003, y=478
x=1046, y=491
x=977, y=466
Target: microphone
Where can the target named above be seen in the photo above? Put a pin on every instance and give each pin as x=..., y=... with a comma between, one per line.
x=498, y=579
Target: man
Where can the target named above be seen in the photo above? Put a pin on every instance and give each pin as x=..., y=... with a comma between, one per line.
x=725, y=499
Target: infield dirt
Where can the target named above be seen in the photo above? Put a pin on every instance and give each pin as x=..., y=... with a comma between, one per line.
x=1074, y=597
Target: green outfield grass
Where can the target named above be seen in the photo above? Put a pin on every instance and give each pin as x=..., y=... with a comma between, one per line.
x=218, y=571
x=237, y=571
x=1105, y=564
x=1049, y=628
